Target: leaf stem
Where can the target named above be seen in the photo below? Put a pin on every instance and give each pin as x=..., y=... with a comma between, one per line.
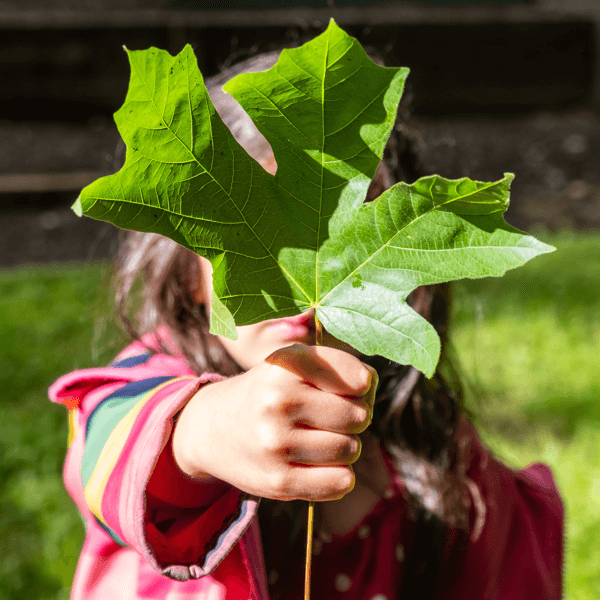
x=319, y=332
x=309, y=541
x=311, y=505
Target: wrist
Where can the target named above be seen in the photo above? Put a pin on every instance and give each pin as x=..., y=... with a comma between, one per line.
x=170, y=486
x=189, y=437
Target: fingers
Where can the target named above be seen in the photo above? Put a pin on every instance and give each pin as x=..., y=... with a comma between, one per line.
x=322, y=448
x=313, y=465
x=330, y=412
x=328, y=369
x=301, y=409
x=312, y=483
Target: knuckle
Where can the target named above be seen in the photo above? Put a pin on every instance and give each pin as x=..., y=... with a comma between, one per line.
x=346, y=451
x=281, y=358
x=270, y=439
x=365, y=378
x=272, y=375
x=345, y=481
x=280, y=484
x=271, y=401
x=359, y=419
x=353, y=448
x=276, y=404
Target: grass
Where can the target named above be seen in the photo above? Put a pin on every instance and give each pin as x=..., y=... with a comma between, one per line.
x=47, y=327
x=528, y=346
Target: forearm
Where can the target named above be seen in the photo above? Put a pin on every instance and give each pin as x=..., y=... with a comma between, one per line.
x=169, y=485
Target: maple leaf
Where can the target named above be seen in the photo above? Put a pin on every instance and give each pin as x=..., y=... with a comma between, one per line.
x=302, y=238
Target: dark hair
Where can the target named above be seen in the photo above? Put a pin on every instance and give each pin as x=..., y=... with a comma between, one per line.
x=415, y=418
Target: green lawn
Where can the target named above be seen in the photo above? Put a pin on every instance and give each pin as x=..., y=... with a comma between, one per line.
x=47, y=327
x=528, y=346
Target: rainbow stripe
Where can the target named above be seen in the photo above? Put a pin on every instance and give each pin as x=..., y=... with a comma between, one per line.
x=109, y=429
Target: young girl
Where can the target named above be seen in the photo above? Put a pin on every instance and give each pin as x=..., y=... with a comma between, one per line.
x=192, y=456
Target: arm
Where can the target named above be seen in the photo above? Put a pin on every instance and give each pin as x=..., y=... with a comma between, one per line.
x=117, y=467
x=286, y=428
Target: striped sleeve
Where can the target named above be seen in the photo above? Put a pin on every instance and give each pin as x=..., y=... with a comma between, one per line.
x=111, y=433
x=122, y=419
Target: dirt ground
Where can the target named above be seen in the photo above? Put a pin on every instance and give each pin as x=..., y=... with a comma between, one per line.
x=555, y=157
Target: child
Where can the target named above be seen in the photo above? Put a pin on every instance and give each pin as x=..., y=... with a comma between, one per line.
x=176, y=444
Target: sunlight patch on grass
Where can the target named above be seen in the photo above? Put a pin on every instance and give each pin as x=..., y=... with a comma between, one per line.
x=535, y=367
x=529, y=347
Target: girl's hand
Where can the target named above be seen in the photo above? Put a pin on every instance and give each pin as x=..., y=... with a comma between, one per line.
x=286, y=429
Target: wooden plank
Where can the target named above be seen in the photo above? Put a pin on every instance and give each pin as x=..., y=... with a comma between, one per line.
x=46, y=182
x=299, y=16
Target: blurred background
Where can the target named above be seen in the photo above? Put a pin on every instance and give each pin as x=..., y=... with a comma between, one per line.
x=495, y=86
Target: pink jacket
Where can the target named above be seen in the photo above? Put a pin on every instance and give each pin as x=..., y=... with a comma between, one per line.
x=153, y=533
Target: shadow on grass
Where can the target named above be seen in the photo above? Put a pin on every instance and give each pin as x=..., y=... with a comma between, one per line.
x=560, y=417
x=568, y=279
x=565, y=415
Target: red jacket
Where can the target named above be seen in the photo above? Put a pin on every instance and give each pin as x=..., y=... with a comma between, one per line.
x=151, y=533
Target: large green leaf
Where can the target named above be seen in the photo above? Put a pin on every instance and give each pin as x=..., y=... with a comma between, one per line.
x=302, y=238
